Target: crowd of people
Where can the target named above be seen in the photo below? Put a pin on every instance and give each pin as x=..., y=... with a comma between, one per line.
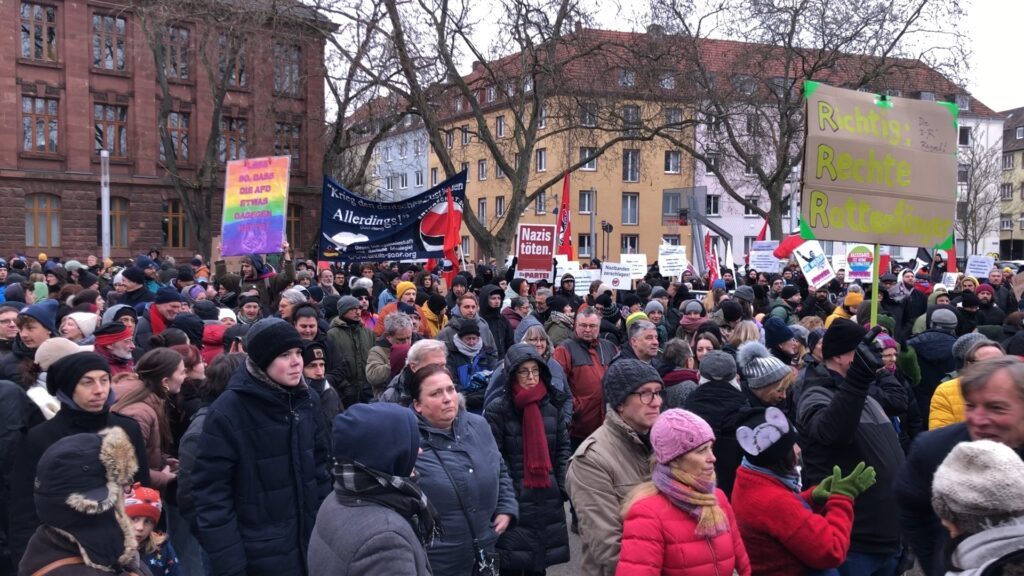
x=168, y=419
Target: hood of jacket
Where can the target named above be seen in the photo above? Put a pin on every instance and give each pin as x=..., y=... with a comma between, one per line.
x=980, y=549
x=255, y=383
x=522, y=352
x=933, y=345
x=486, y=310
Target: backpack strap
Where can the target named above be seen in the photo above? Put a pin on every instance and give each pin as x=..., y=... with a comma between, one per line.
x=70, y=561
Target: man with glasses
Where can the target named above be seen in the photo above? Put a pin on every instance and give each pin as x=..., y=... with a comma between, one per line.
x=613, y=460
x=422, y=353
x=8, y=327
x=642, y=344
x=585, y=358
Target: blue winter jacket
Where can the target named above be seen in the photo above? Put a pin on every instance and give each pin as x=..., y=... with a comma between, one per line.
x=261, y=472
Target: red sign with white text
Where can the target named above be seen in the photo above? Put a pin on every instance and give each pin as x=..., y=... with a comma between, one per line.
x=535, y=248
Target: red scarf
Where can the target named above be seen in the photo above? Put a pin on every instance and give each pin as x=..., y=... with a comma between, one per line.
x=536, y=460
x=156, y=321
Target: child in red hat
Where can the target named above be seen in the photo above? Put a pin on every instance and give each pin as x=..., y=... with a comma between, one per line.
x=143, y=507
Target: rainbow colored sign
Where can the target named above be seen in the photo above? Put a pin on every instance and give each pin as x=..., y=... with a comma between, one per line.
x=255, y=205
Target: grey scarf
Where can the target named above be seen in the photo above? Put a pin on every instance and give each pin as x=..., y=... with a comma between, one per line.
x=470, y=351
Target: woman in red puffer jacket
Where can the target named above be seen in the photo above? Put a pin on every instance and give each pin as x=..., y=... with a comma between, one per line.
x=679, y=523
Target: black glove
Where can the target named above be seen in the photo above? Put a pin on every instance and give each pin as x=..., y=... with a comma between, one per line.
x=866, y=361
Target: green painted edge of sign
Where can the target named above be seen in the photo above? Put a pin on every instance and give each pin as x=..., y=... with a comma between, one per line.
x=953, y=110
x=805, y=231
x=883, y=101
x=947, y=244
x=810, y=87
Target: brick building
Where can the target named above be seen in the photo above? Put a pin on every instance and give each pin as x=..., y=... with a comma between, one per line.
x=76, y=77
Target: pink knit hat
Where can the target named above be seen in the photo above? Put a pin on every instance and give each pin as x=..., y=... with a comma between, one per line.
x=676, y=432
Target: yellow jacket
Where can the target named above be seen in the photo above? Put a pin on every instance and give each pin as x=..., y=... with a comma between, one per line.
x=839, y=312
x=947, y=406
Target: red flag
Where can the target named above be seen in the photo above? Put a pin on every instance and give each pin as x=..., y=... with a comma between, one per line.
x=951, y=259
x=710, y=261
x=786, y=247
x=564, y=235
x=452, y=238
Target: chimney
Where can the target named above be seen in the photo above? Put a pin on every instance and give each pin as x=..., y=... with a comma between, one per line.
x=579, y=27
x=477, y=65
x=655, y=30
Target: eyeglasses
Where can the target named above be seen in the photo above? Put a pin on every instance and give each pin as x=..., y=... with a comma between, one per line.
x=647, y=396
x=528, y=373
x=11, y=321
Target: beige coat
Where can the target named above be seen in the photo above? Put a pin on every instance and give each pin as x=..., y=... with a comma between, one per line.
x=145, y=414
x=605, y=468
x=378, y=369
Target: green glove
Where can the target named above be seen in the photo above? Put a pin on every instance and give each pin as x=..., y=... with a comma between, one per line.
x=822, y=491
x=862, y=478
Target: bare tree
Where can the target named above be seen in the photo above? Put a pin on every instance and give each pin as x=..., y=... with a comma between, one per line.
x=746, y=90
x=221, y=33
x=979, y=202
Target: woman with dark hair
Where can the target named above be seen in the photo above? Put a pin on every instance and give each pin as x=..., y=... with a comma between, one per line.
x=90, y=298
x=143, y=398
x=703, y=343
x=189, y=399
x=167, y=338
x=463, y=475
x=424, y=282
x=534, y=441
x=789, y=530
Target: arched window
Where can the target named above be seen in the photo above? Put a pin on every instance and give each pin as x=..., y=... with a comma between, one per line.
x=42, y=221
x=118, y=222
x=294, y=225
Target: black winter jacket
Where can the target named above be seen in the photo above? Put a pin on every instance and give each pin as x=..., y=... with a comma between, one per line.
x=540, y=537
x=66, y=422
x=934, y=350
x=841, y=425
x=723, y=407
x=261, y=472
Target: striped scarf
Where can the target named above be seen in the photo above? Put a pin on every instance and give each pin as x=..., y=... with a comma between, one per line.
x=694, y=496
x=352, y=481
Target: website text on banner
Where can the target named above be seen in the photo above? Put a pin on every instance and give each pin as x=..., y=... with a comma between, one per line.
x=535, y=248
x=255, y=205
x=878, y=170
x=359, y=229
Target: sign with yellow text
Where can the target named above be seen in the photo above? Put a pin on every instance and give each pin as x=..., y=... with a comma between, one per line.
x=878, y=169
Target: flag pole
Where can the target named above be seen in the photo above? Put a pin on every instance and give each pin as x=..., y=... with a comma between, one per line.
x=875, y=297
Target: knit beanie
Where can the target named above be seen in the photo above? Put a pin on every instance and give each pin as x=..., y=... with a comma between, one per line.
x=653, y=306
x=692, y=307
x=944, y=319
x=624, y=376
x=676, y=432
x=316, y=293
x=979, y=485
x=658, y=292
x=789, y=291
x=403, y=287
x=360, y=292
x=717, y=366
x=347, y=303
x=853, y=299
x=964, y=344
x=887, y=342
x=381, y=436
x=313, y=351
x=118, y=311
x=800, y=333
x=984, y=288
x=604, y=300
x=268, y=339
x=436, y=304
x=191, y=325
x=630, y=300
x=64, y=374
x=759, y=367
x=107, y=334
x=408, y=309
x=731, y=311
x=248, y=299
x=468, y=328
x=766, y=437
x=206, y=310
x=813, y=337
x=841, y=337
x=776, y=332
x=718, y=284
x=745, y=293
x=86, y=322
x=54, y=349
x=134, y=274
x=166, y=295
x=237, y=332
x=557, y=303
x=44, y=312
x=145, y=502
x=634, y=317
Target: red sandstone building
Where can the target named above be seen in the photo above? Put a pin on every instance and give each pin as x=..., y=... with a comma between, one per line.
x=76, y=77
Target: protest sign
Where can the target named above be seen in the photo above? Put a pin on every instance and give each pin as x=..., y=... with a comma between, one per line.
x=839, y=263
x=1018, y=284
x=762, y=258
x=637, y=265
x=360, y=229
x=583, y=280
x=813, y=264
x=616, y=275
x=979, y=266
x=255, y=205
x=949, y=279
x=671, y=260
x=878, y=170
x=860, y=259
x=535, y=248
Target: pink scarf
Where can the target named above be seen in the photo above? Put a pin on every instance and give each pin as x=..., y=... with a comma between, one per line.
x=693, y=496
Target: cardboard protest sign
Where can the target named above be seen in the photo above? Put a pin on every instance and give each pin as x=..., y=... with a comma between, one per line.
x=671, y=259
x=364, y=230
x=949, y=279
x=255, y=205
x=860, y=258
x=762, y=258
x=878, y=169
x=813, y=264
x=616, y=275
x=535, y=248
x=637, y=265
x=979, y=266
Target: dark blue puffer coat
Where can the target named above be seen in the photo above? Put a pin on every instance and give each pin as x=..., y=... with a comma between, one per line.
x=261, y=472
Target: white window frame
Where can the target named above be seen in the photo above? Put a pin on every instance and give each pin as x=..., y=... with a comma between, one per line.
x=387, y=153
x=542, y=159
x=499, y=206
x=585, y=152
x=674, y=119
x=1006, y=221
x=481, y=170
x=583, y=245
x=458, y=103
x=466, y=136
x=449, y=139
x=433, y=176
x=540, y=205
x=667, y=81
x=747, y=212
x=627, y=77
x=403, y=181
x=499, y=126
x=418, y=178
x=1008, y=161
x=629, y=244
x=673, y=162
x=586, y=201
x=542, y=116
x=630, y=209
x=713, y=205
x=631, y=170
x=491, y=94
x=1019, y=133
x=481, y=209
x=588, y=118
x=1006, y=192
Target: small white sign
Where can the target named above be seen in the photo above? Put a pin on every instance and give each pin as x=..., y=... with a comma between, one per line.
x=813, y=264
x=979, y=266
x=672, y=260
x=616, y=275
x=762, y=257
x=637, y=265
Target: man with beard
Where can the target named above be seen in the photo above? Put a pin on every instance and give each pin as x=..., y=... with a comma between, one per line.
x=904, y=287
x=968, y=313
x=540, y=305
x=115, y=344
x=820, y=306
x=730, y=281
x=989, y=313
x=1002, y=295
